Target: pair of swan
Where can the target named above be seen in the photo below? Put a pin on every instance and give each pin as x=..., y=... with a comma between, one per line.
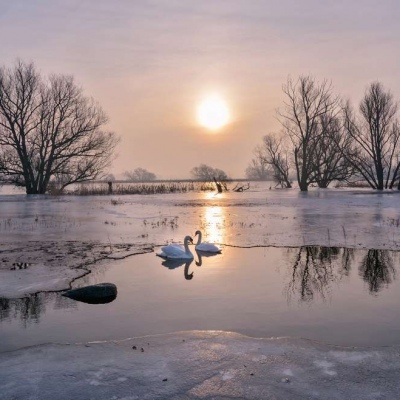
x=174, y=251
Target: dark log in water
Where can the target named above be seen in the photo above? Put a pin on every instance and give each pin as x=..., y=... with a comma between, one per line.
x=94, y=294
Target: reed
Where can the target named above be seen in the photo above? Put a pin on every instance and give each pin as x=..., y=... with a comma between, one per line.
x=88, y=189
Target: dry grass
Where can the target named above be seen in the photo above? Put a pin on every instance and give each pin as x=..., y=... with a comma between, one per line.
x=88, y=189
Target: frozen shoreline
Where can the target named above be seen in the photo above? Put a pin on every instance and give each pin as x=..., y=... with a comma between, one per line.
x=53, y=266
x=193, y=365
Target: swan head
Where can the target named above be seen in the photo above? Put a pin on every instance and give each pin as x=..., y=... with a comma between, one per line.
x=188, y=239
x=197, y=233
x=189, y=276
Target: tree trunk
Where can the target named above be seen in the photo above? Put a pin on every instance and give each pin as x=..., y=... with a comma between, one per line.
x=304, y=187
x=379, y=176
x=303, y=184
x=322, y=184
x=218, y=185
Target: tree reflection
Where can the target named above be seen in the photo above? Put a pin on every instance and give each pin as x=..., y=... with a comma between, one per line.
x=314, y=269
x=377, y=269
x=29, y=309
x=348, y=256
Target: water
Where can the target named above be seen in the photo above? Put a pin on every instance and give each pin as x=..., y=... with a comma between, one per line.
x=335, y=295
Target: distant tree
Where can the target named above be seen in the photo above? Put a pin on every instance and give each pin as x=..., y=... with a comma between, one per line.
x=307, y=103
x=49, y=131
x=109, y=178
x=140, y=175
x=272, y=159
x=375, y=135
x=206, y=173
x=258, y=169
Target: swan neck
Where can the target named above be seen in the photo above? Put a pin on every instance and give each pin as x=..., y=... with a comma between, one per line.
x=199, y=239
x=186, y=244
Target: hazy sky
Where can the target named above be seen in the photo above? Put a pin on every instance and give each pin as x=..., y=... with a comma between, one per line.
x=149, y=63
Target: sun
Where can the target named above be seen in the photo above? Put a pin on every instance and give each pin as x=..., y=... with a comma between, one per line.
x=213, y=113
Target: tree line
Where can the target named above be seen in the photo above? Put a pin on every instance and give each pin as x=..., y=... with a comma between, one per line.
x=325, y=139
x=52, y=135
x=202, y=172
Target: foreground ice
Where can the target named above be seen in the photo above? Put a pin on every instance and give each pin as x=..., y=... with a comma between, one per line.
x=200, y=365
x=52, y=266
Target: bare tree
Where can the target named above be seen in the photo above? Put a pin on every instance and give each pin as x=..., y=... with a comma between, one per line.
x=49, y=130
x=306, y=102
x=330, y=164
x=375, y=133
x=140, y=175
x=258, y=169
x=271, y=160
x=277, y=157
x=206, y=173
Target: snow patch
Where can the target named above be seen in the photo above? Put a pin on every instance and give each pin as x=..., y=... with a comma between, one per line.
x=355, y=356
x=228, y=375
x=326, y=367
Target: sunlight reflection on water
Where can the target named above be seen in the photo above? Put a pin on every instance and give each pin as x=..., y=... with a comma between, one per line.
x=214, y=224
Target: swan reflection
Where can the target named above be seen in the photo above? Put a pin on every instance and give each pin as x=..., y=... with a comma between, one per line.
x=201, y=254
x=172, y=264
x=176, y=263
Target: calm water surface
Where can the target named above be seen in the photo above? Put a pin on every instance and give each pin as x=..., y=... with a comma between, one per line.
x=335, y=295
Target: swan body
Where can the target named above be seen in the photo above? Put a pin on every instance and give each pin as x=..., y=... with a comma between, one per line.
x=176, y=252
x=206, y=247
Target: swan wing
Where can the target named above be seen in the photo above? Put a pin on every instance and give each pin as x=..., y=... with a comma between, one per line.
x=173, y=251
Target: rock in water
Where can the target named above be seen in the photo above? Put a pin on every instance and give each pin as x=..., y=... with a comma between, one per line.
x=94, y=294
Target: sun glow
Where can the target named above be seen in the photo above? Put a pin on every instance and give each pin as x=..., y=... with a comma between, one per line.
x=213, y=113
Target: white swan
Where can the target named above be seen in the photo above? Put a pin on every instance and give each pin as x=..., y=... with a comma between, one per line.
x=206, y=247
x=173, y=251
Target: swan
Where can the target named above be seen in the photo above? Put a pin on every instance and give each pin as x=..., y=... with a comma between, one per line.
x=206, y=247
x=173, y=251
